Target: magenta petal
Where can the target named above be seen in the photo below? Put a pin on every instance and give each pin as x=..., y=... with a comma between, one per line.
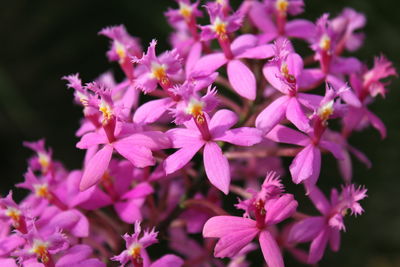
x=181, y=157
x=73, y=221
x=229, y=245
x=151, y=111
x=360, y=156
x=346, y=167
x=306, y=164
x=346, y=65
x=280, y=209
x=139, y=156
x=242, y=79
x=220, y=226
x=310, y=78
x=242, y=43
x=96, y=167
x=271, y=73
x=193, y=57
x=334, y=240
x=217, y=167
x=319, y=200
x=309, y=101
x=10, y=243
x=209, y=63
x=244, y=136
x=153, y=140
x=318, y=246
x=284, y=134
x=91, y=139
x=335, y=149
x=258, y=15
x=222, y=120
x=295, y=114
x=168, y=260
x=183, y=137
x=270, y=249
x=129, y=211
x=272, y=114
x=300, y=28
x=8, y=262
x=377, y=123
x=306, y=230
x=139, y=191
x=258, y=52
x=295, y=64
x=350, y=98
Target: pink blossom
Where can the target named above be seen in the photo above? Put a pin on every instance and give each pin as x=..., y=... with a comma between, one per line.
x=201, y=132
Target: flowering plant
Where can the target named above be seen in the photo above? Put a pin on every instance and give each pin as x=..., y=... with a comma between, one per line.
x=206, y=119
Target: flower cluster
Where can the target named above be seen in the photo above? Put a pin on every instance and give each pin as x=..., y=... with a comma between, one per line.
x=218, y=106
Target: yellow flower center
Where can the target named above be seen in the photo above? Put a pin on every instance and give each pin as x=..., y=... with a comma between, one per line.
x=325, y=43
x=44, y=161
x=159, y=71
x=219, y=28
x=40, y=249
x=134, y=250
x=185, y=11
x=195, y=108
x=42, y=190
x=282, y=5
x=13, y=213
x=284, y=69
x=326, y=111
x=120, y=50
x=107, y=112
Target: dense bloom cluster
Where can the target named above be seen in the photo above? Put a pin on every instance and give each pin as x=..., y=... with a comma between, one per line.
x=186, y=127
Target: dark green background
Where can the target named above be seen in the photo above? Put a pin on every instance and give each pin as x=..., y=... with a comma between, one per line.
x=43, y=40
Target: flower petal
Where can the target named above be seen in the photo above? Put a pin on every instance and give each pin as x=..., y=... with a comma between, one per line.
x=283, y=134
x=229, y=245
x=151, y=111
x=306, y=230
x=96, y=167
x=139, y=156
x=270, y=249
x=306, y=165
x=208, y=64
x=300, y=28
x=217, y=167
x=243, y=136
x=220, y=226
x=272, y=115
x=242, y=79
x=258, y=52
x=181, y=157
x=318, y=246
x=295, y=114
x=222, y=120
x=280, y=209
x=377, y=123
x=168, y=260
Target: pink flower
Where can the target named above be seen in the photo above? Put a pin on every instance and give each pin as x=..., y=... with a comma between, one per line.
x=327, y=227
x=201, y=132
x=42, y=247
x=240, y=76
x=235, y=233
x=158, y=70
x=270, y=18
x=123, y=48
x=285, y=73
x=135, y=246
x=345, y=26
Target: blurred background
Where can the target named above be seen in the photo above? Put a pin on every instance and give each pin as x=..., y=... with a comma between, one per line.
x=43, y=40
